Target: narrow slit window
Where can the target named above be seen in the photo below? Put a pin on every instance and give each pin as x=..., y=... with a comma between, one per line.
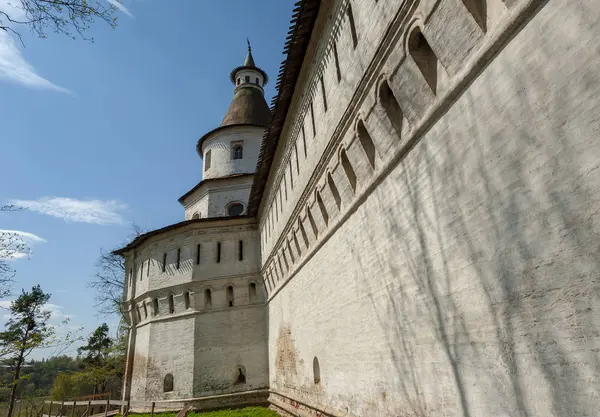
x=291, y=173
x=247, y=78
x=391, y=107
x=312, y=119
x=313, y=225
x=178, y=258
x=297, y=162
x=297, y=244
x=424, y=57
x=207, y=298
x=316, y=371
x=145, y=310
x=252, y=291
x=171, y=304
x=186, y=299
x=148, y=268
x=334, y=191
x=230, y=296
x=285, y=192
x=168, y=383
x=241, y=250
x=324, y=93
x=348, y=170
x=366, y=142
x=303, y=232
x=352, y=25
x=218, y=252
x=155, y=306
x=322, y=208
x=289, y=246
x=198, y=248
x=336, y=59
x=304, y=140
x=164, y=262
x=207, y=160
x=142, y=271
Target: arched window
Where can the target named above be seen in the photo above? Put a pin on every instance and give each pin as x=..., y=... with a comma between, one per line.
x=252, y=292
x=168, y=383
x=348, y=170
x=239, y=376
x=316, y=371
x=366, y=142
x=424, y=57
x=155, y=306
x=186, y=299
x=334, y=191
x=171, y=304
x=390, y=105
x=207, y=298
x=145, y=310
x=322, y=208
x=237, y=152
x=235, y=209
x=230, y=296
x=195, y=216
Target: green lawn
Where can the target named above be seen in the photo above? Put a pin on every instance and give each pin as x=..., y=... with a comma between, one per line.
x=242, y=412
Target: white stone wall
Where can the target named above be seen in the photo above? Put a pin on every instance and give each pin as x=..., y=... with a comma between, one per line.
x=169, y=342
x=213, y=198
x=459, y=275
x=219, y=144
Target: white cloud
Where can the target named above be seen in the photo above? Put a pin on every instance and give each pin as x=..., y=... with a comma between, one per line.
x=73, y=210
x=16, y=244
x=56, y=312
x=121, y=7
x=13, y=66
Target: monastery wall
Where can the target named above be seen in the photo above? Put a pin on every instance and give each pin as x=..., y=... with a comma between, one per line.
x=435, y=250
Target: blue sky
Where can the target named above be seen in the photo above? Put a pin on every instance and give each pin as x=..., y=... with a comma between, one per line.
x=96, y=136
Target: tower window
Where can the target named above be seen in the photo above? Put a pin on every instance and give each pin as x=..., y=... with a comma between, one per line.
x=171, y=304
x=237, y=151
x=424, y=57
x=257, y=82
x=324, y=94
x=240, y=375
x=178, y=257
x=207, y=160
x=142, y=271
x=252, y=291
x=145, y=310
x=198, y=254
x=241, y=250
x=186, y=299
x=238, y=81
x=207, y=298
x=168, y=383
x=148, y=269
x=235, y=209
x=218, y=252
x=352, y=26
x=338, y=73
x=247, y=78
x=230, y=296
x=164, y=263
x=155, y=306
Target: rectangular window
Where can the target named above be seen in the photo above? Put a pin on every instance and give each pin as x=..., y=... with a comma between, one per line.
x=218, y=252
x=207, y=160
x=141, y=271
x=291, y=173
x=247, y=78
x=198, y=254
x=148, y=269
x=297, y=162
x=164, y=264
x=338, y=73
x=324, y=94
x=178, y=257
x=241, y=250
x=304, y=139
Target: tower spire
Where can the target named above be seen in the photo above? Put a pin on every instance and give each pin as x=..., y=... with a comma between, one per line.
x=249, y=61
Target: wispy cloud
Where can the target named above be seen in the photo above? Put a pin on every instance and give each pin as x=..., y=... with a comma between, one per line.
x=73, y=210
x=13, y=66
x=16, y=244
x=121, y=7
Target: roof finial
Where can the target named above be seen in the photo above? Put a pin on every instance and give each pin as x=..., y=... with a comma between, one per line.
x=249, y=62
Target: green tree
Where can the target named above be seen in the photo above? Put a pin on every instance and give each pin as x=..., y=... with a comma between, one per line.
x=26, y=330
x=98, y=347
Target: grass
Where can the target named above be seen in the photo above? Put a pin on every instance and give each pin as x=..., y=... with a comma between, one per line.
x=242, y=412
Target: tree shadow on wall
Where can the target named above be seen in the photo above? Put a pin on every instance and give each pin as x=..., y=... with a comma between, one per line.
x=493, y=239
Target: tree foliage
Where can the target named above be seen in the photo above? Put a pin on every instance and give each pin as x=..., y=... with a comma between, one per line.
x=109, y=280
x=26, y=329
x=64, y=17
x=12, y=246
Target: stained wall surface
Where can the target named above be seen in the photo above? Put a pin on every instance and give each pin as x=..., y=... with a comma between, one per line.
x=454, y=270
